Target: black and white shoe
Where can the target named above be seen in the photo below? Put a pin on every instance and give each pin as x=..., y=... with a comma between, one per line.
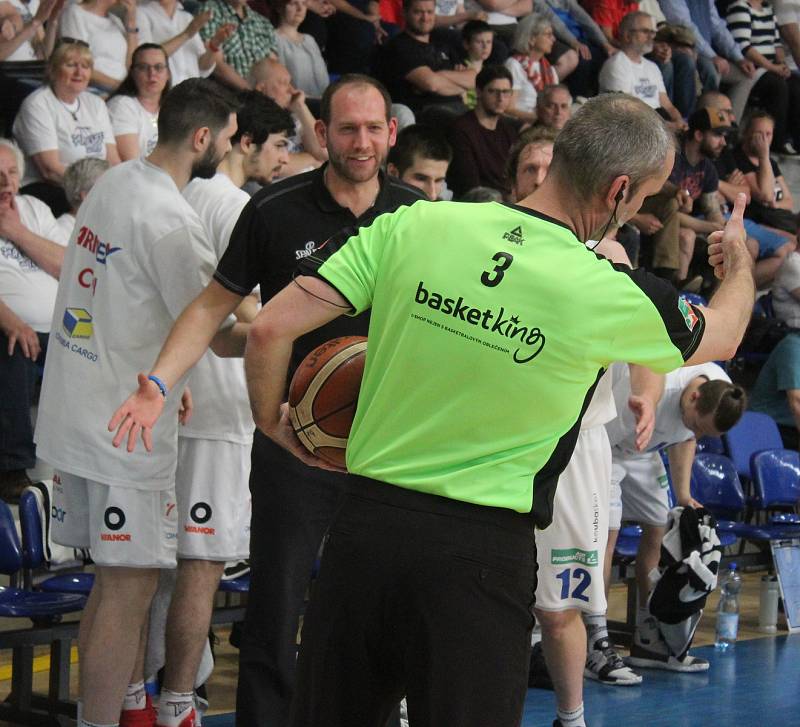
x=650, y=651
x=604, y=664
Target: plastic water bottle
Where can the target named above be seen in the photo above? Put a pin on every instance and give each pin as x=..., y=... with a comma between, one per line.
x=768, y=605
x=728, y=609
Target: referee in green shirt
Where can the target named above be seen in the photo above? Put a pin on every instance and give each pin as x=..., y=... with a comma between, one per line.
x=490, y=326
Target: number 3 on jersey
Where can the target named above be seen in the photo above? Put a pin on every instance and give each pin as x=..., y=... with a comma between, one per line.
x=493, y=277
x=583, y=579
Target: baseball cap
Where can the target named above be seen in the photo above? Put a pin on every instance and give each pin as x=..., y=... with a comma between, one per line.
x=709, y=119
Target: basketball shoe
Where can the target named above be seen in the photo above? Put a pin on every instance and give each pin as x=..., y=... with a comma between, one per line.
x=650, y=651
x=139, y=717
x=604, y=664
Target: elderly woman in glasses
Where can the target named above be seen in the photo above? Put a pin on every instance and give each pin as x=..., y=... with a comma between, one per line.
x=134, y=105
x=530, y=70
x=62, y=122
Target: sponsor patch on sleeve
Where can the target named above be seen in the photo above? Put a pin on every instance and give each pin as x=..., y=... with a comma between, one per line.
x=689, y=316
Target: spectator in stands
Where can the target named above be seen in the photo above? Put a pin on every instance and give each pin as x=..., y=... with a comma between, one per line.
x=30, y=263
x=529, y=161
x=674, y=54
x=477, y=41
x=786, y=291
x=354, y=32
x=134, y=105
x=272, y=78
x=777, y=388
x=78, y=181
x=417, y=71
x=773, y=244
x=482, y=138
x=62, y=122
x=530, y=70
x=166, y=22
x=24, y=36
x=630, y=72
x=553, y=107
x=298, y=51
x=771, y=201
x=253, y=39
x=787, y=15
x=608, y=14
x=420, y=157
x=718, y=55
x=111, y=39
x=482, y=194
x=752, y=25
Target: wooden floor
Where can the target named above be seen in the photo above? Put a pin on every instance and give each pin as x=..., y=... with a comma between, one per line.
x=600, y=700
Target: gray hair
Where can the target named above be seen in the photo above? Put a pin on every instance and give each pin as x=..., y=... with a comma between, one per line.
x=529, y=27
x=18, y=155
x=482, y=194
x=547, y=92
x=610, y=135
x=80, y=177
x=627, y=22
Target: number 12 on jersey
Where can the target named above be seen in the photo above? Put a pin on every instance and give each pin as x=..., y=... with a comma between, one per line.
x=582, y=580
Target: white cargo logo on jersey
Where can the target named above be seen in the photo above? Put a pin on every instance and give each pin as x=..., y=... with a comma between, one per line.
x=308, y=251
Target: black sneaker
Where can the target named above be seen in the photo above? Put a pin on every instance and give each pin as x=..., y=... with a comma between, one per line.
x=538, y=676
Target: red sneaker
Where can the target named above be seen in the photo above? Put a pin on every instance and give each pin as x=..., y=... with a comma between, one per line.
x=190, y=720
x=139, y=717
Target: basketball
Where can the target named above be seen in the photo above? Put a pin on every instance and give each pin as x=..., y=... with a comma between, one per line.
x=323, y=396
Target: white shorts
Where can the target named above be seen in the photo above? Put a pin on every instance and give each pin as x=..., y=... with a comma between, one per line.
x=120, y=525
x=570, y=552
x=786, y=11
x=212, y=487
x=639, y=489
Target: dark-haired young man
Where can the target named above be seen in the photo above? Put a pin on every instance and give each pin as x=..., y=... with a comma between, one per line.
x=211, y=483
x=420, y=158
x=138, y=255
x=482, y=138
x=697, y=401
x=292, y=503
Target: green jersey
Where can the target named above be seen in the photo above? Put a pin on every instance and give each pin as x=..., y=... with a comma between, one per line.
x=490, y=326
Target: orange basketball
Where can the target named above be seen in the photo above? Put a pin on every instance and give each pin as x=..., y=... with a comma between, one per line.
x=323, y=396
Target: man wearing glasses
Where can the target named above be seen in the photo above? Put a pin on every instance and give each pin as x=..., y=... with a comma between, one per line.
x=482, y=138
x=630, y=72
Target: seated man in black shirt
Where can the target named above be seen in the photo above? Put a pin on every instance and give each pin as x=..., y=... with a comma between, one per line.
x=482, y=138
x=421, y=74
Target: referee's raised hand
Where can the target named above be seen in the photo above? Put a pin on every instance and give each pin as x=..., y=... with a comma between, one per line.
x=726, y=248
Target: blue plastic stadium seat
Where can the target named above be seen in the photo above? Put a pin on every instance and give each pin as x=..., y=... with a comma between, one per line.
x=753, y=433
x=710, y=445
x=235, y=585
x=776, y=475
x=694, y=298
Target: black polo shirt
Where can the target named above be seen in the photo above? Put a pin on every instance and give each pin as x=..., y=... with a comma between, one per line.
x=286, y=222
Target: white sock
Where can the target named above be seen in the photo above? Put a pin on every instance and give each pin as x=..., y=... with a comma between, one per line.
x=174, y=707
x=536, y=634
x=572, y=718
x=135, y=697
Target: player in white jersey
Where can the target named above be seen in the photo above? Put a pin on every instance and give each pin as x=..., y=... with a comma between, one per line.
x=137, y=256
x=697, y=401
x=213, y=498
x=570, y=553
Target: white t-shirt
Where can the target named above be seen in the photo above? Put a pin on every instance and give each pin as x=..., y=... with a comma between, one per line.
x=601, y=409
x=25, y=51
x=493, y=18
x=44, y=123
x=66, y=224
x=787, y=308
x=643, y=79
x=105, y=35
x=24, y=287
x=138, y=256
x=526, y=99
x=155, y=26
x=128, y=116
x=669, y=426
x=221, y=404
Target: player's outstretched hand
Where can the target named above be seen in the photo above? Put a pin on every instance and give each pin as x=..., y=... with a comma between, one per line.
x=645, y=415
x=138, y=415
x=283, y=435
x=727, y=247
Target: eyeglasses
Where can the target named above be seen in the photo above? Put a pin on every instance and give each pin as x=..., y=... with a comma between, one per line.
x=64, y=40
x=146, y=67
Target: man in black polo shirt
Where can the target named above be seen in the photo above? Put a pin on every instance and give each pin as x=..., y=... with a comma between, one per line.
x=419, y=72
x=292, y=503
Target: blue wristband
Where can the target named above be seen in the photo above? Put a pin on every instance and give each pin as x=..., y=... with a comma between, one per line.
x=162, y=387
